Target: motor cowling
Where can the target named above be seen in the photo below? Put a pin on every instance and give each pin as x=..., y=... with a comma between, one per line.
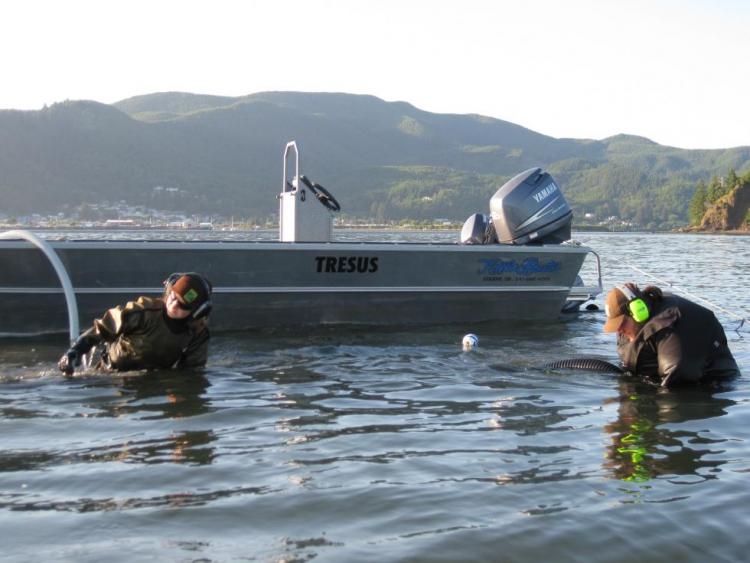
x=530, y=208
x=478, y=229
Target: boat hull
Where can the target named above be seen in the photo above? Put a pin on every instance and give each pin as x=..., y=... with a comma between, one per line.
x=272, y=284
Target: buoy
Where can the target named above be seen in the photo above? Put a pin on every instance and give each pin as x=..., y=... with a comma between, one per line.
x=470, y=341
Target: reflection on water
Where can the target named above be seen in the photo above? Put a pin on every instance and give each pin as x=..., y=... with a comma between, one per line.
x=389, y=444
x=159, y=395
x=648, y=440
x=165, y=395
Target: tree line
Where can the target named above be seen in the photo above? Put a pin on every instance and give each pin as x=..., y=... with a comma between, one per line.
x=706, y=195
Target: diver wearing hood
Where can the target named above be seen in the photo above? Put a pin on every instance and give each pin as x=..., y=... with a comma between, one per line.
x=151, y=333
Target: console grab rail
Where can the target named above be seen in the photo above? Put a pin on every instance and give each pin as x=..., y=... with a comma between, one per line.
x=62, y=274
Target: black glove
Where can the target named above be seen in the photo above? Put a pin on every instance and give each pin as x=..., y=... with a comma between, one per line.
x=70, y=360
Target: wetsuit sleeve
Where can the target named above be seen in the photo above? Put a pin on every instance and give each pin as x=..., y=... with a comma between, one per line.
x=196, y=354
x=677, y=363
x=118, y=320
x=104, y=330
x=86, y=341
x=115, y=322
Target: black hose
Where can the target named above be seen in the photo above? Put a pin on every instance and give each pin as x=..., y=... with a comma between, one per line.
x=588, y=364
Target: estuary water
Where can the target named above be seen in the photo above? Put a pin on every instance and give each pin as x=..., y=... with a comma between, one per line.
x=356, y=445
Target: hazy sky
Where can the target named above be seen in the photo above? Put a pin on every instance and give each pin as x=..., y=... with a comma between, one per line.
x=675, y=71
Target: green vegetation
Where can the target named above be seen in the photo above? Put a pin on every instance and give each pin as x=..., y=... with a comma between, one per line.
x=705, y=196
x=383, y=161
x=698, y=204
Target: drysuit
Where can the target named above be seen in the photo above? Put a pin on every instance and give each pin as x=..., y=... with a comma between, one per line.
x=681, y=342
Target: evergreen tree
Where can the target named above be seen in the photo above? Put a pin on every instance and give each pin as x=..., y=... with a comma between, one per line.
x=713, y=190
x=731, y=181
x=698, y=204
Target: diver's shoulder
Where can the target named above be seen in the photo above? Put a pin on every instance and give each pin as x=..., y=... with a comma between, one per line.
x=144, y=304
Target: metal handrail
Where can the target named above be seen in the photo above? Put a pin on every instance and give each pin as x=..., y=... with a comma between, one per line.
x=62, y=274
x=285, y=182
x=578, y=293
x=286, y=186
x=598, y=269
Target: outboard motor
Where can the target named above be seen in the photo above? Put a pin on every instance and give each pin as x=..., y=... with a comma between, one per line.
x=530, y=208
x=478, y=229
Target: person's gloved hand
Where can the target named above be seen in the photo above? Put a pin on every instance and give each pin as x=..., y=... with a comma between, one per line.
x=70, y=360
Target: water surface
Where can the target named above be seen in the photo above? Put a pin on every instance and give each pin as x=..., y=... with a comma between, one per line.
x=346, y=445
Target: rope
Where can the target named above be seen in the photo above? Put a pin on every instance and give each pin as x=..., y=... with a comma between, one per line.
x=687, y=293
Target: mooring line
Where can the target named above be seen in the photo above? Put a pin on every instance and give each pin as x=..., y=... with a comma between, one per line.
x=687, y=293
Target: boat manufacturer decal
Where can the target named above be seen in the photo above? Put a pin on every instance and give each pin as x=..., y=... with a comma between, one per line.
x=496, y=269
x=545, y=192
x=346, y=264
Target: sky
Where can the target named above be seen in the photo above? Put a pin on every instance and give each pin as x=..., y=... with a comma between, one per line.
x=674, y=71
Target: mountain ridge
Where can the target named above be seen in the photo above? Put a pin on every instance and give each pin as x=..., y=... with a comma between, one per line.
x=386, y=160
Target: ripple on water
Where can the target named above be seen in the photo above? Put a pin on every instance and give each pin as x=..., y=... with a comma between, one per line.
x=364, y=445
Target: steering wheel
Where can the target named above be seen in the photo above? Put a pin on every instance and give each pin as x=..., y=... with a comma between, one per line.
x=323, y=195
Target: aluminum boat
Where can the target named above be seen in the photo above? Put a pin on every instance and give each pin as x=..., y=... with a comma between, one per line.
x=512, y=265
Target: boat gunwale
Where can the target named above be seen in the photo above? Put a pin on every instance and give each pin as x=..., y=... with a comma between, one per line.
x=85, y=244
x=301, y=289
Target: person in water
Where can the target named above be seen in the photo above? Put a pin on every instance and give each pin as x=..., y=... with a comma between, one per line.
x=151, y=333
x=667, y=336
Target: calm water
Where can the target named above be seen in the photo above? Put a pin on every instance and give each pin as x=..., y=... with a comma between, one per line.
x=355, y=445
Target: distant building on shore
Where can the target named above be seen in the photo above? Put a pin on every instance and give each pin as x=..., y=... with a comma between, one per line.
x=120, y=224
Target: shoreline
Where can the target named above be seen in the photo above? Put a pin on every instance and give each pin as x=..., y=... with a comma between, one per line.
x=695, y=231
x=394, y=228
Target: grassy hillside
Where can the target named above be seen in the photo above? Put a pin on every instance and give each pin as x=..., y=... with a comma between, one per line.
x=381, y=160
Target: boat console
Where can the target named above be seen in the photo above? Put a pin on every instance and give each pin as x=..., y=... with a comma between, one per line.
x=305, y=207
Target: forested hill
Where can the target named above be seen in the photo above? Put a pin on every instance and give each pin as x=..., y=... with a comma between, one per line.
x=383, y=160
